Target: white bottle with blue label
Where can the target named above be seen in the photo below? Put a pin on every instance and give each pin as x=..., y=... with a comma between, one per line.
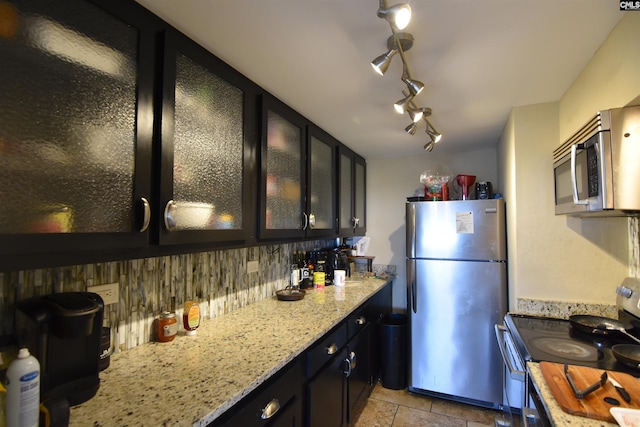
x=23, y=391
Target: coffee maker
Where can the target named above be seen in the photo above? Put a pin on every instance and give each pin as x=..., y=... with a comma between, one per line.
x=336, y=260
x=63, y=332
x=484, y=190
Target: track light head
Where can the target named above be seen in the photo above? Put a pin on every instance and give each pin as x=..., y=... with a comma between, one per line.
x=429, y=146
x=398, y=15
x=415, y=114
x=401, y=105
x=415, y=86
x=411, y=129
x=381, y=63
x=426, y=112
x=432, y=132
x=436, y=136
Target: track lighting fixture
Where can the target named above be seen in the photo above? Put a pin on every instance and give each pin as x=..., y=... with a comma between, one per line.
x=398, y=17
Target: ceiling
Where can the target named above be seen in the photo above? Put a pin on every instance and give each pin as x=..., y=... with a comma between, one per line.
x=478, y=59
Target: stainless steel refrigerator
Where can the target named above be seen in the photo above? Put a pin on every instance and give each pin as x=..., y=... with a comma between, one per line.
x=457, y=292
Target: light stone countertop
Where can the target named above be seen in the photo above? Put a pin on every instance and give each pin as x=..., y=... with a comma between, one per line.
x=193, y=380
x=557, y=416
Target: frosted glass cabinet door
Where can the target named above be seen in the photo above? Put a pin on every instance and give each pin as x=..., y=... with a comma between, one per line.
x=352, y=180
x=360, y=196
x=346, y=192
x=70, y=96
x=321, y=209
x=282, y=184
x=203, y=145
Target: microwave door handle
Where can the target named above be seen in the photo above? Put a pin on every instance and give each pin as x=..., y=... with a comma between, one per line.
x=574, y=181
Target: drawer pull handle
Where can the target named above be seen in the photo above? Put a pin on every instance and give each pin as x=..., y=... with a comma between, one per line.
x=271, y=409
x=361, y=320
x=332, y=349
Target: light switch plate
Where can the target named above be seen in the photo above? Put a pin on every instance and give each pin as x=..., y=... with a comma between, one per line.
x=109, y=293
x=253, y=266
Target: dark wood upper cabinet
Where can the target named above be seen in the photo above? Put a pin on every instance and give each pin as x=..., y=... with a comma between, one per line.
x=352, y=193
x=298, y=181
x=76, y=127
x=207, y=147
x=122, y=138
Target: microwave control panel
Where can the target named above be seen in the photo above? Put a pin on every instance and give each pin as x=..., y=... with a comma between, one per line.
x=592, y=170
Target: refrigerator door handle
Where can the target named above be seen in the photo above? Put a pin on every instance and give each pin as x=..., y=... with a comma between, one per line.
x=411, y=231
x=413, y=289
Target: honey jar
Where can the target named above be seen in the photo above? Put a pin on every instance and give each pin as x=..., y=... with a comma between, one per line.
x=167, y=327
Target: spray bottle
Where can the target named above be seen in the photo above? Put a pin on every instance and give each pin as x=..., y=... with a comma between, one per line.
x=23, y=391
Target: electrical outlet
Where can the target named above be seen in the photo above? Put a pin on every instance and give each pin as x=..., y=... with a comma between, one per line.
x=253, y=266
x=108, y=293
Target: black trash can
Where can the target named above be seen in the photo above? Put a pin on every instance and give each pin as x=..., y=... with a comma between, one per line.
x=393, y=354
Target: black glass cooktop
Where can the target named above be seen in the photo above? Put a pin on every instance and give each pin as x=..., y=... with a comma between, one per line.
x=540, y=339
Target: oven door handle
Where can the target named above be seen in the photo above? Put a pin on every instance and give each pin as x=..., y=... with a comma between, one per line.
x=514, y=373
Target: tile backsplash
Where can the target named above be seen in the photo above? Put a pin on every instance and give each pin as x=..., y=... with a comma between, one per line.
x=218, y=280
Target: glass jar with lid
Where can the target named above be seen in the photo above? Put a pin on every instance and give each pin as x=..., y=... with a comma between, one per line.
x=167, y=326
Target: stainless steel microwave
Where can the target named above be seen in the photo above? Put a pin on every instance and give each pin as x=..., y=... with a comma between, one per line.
x=597, y=170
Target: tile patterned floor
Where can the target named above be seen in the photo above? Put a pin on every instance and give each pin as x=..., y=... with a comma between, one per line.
x=399, y=408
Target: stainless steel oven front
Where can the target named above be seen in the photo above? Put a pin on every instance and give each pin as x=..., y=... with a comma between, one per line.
x=520, y=394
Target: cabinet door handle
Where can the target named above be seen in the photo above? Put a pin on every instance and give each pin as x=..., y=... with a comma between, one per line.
x=306, y=221
x=347, y=370
x=356, y=222
x=146, y=219
x=332, y=349
x=353, y=360
x=312, y=220
x=361, y=320
x=170, y=210
x=271, y=409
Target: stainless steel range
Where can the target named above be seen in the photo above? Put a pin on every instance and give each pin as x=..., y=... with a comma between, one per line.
x=524, y=338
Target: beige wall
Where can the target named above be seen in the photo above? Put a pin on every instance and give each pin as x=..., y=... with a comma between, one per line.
x=390, y=181
x=560, y=257
x=611, y=79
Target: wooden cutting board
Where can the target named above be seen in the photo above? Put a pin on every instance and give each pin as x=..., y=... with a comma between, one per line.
x=593, y=405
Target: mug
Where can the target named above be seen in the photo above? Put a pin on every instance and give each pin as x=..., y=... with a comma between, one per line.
x=339, y=277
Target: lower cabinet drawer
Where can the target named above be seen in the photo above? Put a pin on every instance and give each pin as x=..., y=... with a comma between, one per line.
x=357, y=321
x=276, y=403
x=325, y=349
